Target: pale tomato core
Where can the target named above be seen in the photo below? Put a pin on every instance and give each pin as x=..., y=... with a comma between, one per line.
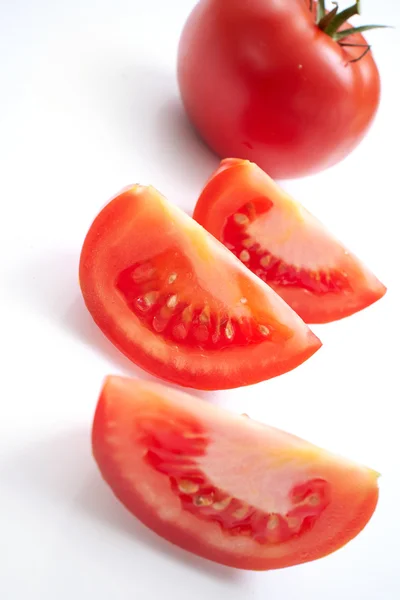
x=175, y=448
x=246, y=233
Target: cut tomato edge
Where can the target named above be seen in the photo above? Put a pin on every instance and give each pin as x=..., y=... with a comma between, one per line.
x=212, y=381
x=320, y=315
x=327, y=312
x=171, y=533
x=128, y=496
x=309, y=344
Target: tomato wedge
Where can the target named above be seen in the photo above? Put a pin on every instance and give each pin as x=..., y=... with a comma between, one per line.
x=179, y=304
x=282, y=243
x=223, y=486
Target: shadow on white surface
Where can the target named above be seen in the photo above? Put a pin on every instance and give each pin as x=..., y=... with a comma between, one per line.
x=80, y=324
x=187, y=156
x=139, y=111
x=59, y=475
x=99, y=503
x=50, y=287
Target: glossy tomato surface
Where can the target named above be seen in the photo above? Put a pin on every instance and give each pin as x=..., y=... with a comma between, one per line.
x=179, y=304
x=261, y=81
x=284, y=245
x=225, y=487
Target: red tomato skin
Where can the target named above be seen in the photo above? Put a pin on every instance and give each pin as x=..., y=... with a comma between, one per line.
x=236, y=182
x=259, y=80
x=109, y=247
x=106, y=460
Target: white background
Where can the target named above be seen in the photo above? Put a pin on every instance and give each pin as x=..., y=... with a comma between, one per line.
x=89, y=104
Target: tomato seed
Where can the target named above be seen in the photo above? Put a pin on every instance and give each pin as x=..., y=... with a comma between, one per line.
x=263, y=330
x=266, y=261
x=172, y=301
x=273, y=522
x=244, y=256
x=188, y=487
x=314, y=500
x=248, y=243
x=143, y=273
x=229, y=331
x=222, y=504
x=203, y=500
x=241, y=513
x=145, y=302
x=180, y=331
x=187, y=314
x=172, y=278
x=240, y=219
x=160, y=322
x=205, y=315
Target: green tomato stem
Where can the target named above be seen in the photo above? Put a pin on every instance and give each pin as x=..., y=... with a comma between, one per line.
x=332, y=21
x=320, y=10
x=328, y=18
x=341, y=18
x=340, y=35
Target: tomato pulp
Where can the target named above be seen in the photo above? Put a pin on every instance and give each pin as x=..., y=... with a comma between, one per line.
x=223, y=486
x=282, y=243
x=260, y=80
x=179, y=304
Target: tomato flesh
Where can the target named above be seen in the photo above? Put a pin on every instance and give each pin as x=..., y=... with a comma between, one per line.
x=253, y=252
x=175, y=452
x=284, y=245
x=178, y=304
x=161, y=305
x=223, y=486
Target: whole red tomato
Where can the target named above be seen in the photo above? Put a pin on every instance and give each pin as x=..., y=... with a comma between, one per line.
x=273, y=82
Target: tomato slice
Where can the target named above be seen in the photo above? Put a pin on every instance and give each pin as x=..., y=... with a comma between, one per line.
x=282, y=243
x=225, y=487
x=177, y=303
